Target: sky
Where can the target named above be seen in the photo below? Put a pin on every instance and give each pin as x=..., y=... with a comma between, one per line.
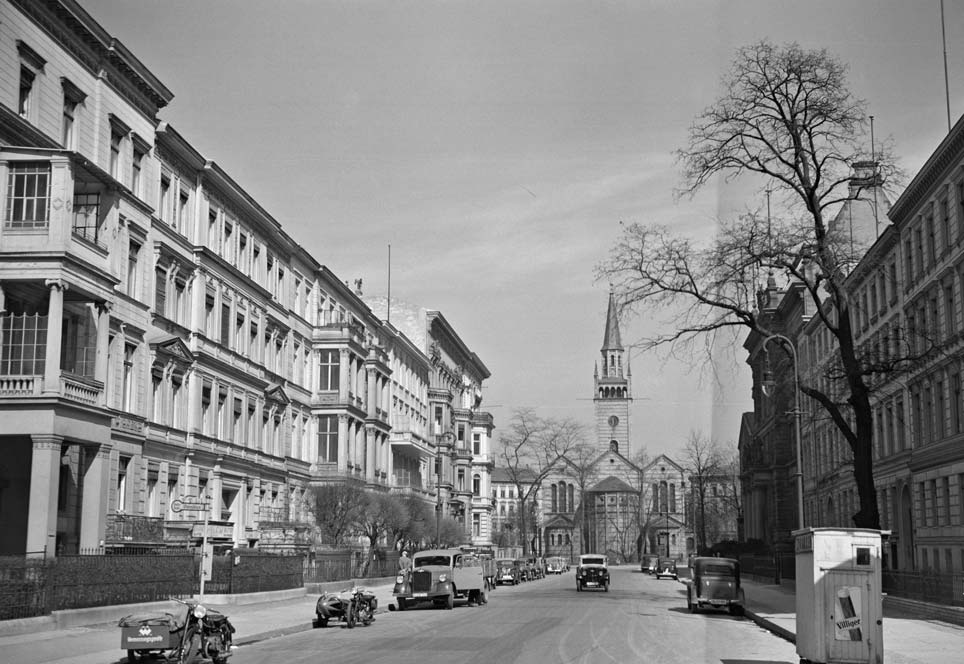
x=497, y=146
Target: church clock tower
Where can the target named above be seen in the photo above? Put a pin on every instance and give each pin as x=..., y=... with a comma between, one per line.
x=612, y=389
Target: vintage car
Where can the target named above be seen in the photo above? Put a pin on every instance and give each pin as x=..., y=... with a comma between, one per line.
x=666, y=567
x=536, y=568
x=524, y=572
x=441, y=576
x=715, y=582
x=592, y=572
x=556, y=565
x=648, y=564
x=507, y=572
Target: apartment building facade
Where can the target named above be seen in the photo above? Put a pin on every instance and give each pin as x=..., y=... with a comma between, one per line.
x=907, y=288
x=164, y=342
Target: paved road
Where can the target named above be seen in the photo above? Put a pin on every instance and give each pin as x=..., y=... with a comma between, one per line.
x=641, y=619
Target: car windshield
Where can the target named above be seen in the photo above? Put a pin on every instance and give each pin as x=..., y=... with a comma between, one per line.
x=593, y=561
x=423, y=561
x=506, y=563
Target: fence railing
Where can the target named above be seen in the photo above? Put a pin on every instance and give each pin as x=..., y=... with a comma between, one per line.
x=933, y=587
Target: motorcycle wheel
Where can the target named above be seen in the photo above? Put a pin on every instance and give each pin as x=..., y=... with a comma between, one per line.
x=190, y=645
x=321, y=622
x=132, y=656
x=352, y=616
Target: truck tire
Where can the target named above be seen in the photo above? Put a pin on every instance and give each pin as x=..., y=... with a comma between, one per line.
x=401, y=603
x=450, y=600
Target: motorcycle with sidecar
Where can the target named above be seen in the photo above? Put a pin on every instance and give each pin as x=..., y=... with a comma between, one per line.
x=202, y=632
x=355, y=606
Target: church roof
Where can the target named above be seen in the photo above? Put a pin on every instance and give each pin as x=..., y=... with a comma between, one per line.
x=612, y=485
x=611, y=341
x=505, y=476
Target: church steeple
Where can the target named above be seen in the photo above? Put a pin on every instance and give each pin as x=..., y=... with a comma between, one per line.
x=612, y=388
x=612, y=348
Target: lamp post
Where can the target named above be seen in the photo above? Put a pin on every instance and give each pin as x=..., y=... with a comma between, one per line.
x=796, y=417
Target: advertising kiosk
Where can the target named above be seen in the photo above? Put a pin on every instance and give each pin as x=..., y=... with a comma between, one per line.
x=838, y=595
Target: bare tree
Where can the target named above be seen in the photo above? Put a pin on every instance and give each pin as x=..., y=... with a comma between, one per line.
x=579, y=465
x=786, y=119
x=337, y=510
x=381, y=515
x=413, y=533
x=530, y=447
x=703, y=460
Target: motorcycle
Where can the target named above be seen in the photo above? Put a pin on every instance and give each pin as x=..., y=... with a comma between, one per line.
x=203, y=632
x=349, y=606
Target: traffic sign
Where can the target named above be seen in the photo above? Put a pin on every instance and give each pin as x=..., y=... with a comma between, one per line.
x=178, y=505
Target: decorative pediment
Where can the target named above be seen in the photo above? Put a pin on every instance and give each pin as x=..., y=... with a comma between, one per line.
x=172, y=347
x=277, y=394
x=559, y=521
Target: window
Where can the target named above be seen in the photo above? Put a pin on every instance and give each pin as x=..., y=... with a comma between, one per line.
x=23, y=343
x=225, y=323
x=476, y=485
x=86, y=212
x=160, y=291
x=133, y=255
x=25, y=100
x=939, y=409
x=164, y=204
x=129, y=377
x=182, y=221
x=945, y=224
x=328, y=439
x=137, y=167
x=210, y=328
x=116, y=139
x=212, y=227
x=476, y=444
x=946, y=500
x=206, y=408
x=931, y=240
x=121, y=487
x=330, y=370
x=957, y=425
x=28, y=195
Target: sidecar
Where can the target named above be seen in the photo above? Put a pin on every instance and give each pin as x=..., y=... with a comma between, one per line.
x=151, y=635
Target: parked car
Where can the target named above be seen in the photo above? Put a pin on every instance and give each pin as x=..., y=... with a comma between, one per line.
x=441, y=576
x=507, y=572
x=524, y=572
x=715, y=582
x=556, y=565
x=592, y=572
x=648, y=564
x=666, y=567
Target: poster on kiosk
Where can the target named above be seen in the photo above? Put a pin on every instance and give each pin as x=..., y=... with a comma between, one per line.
x=838, y=595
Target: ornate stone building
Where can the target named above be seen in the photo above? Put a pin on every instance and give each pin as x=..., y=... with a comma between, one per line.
x=165, y=343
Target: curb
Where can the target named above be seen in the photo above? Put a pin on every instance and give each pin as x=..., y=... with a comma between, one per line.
x=771, y=626
x=251, y=639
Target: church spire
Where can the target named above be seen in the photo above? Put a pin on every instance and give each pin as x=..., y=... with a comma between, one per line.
x=612, y=340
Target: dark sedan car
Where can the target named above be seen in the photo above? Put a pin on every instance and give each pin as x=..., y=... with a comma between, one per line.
x=666, y=567
x=507, y=572
x=715, y=582
x=592, y=573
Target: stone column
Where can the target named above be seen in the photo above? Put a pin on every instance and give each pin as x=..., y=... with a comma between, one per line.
x=370, y=453
x=93, y=520
x=44, y=489
x=343, y=443
x=55, y=317
x=103, y=349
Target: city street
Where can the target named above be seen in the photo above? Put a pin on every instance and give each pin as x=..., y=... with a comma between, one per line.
x=640, y=619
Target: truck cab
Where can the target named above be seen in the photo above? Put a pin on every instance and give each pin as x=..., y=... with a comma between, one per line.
x=441, y=576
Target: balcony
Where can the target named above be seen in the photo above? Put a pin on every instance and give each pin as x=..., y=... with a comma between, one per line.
x=74, y=388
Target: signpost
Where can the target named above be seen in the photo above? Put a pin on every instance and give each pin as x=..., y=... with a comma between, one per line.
x=194, y=504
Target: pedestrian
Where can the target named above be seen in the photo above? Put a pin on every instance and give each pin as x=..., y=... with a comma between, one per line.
x=404, y=562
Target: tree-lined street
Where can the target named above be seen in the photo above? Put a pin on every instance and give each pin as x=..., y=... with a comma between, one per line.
x=640, y=619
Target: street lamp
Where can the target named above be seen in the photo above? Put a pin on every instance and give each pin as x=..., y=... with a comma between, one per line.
x=796, y=415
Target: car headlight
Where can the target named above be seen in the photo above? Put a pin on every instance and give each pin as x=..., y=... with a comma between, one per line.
x=200, y=611
x=442, y=578
x=399, y=579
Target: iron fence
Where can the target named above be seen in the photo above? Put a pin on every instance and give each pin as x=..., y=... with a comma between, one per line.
x=236, y=573
x=933, y=587
x=23, y=586
x=326, y=566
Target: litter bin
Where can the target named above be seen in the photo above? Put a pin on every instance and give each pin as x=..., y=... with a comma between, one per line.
x=838, y=596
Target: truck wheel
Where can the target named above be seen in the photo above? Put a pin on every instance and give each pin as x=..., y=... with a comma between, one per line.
x=450, y=601
x=689, y=601
x=401, y=603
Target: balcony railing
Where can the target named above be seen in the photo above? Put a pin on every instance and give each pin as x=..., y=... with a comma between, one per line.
x=20, y=386
x=80, y=389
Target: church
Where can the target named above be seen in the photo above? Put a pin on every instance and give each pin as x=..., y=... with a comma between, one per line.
x=608, y=497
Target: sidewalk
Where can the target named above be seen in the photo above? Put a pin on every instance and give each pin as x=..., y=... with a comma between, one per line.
x=909, y=638
x=44, y=641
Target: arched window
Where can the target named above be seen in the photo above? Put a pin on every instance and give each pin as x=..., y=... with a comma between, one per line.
x=476, y=485
x=672, y=497
x=554, y=503
x=562, y=496
x=663, y=498
x=572, y=504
